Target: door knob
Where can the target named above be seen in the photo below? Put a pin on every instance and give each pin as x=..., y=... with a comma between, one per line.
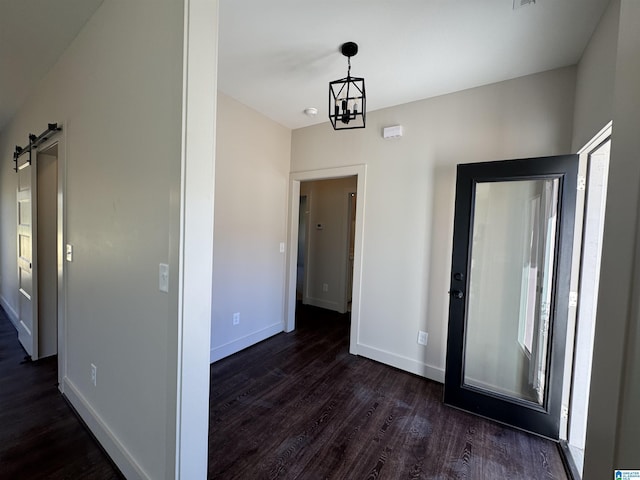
x=456, y=293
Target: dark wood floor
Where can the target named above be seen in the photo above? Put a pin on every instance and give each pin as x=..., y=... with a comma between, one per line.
x=298, y=406
x=40, y=435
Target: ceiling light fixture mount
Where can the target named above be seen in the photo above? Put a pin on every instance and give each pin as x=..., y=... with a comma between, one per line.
x=347, y=98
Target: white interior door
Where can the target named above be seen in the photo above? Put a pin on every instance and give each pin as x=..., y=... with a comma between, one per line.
x=27, y=285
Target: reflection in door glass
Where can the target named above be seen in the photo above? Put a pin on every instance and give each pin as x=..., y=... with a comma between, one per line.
x=510, y=283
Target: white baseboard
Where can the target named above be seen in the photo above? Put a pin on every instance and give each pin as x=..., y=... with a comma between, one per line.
x=403, y=363
x=11, y=313
x=328, y=304
x=109, y=441
x=222, y=351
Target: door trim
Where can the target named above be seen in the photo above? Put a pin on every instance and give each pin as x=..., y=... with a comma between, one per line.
x=294, y=207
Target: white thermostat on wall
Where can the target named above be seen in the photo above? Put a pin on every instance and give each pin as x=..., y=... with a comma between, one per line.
x=392, y=132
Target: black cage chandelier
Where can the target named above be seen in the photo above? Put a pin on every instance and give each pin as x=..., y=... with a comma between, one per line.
x=347, y=99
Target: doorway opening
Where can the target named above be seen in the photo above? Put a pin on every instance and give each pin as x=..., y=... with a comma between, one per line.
x=333, y=223
x=43, y=197
x=47, y=248
x=324, y=268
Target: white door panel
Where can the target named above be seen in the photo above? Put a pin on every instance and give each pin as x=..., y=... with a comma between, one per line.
x=26, y=230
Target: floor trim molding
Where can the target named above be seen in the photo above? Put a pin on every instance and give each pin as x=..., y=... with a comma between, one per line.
x=101, y=431
x=12, y=315
x=222, y=351
x=403, y=363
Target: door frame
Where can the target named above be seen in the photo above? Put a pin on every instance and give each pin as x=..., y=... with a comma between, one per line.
x=542, y=419
x=359, y=171
x=60, y=139
x=578, y=330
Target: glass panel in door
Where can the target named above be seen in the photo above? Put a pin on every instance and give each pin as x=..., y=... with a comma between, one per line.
x=511, y=265
x=512, y=255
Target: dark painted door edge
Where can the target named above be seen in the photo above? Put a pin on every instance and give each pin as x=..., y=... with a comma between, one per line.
x=567, y=461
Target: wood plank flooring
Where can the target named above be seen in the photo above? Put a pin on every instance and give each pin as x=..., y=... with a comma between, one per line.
x=298, y=406
x=40, y=435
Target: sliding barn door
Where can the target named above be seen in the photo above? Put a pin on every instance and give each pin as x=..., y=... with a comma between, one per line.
x=26, y=229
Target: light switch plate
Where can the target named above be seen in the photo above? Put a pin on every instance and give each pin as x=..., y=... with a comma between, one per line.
x=68, y=252
x=163, y=283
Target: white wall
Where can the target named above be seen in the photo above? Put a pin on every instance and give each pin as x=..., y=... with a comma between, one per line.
x=613, y=424
x=326, y=263
x=118, y=92
x=408, y=219
x=252, y=173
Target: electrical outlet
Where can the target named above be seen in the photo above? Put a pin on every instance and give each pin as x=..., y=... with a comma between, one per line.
x=94, y=374
x=236, y=318
x=325, y=287
x=422, y=337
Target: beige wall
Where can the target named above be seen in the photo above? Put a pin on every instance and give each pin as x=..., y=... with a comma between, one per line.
x=595, y=79
x=117, y=90
x=252, y=172
x=613, y=426
x=326, y=263
x=408, y=212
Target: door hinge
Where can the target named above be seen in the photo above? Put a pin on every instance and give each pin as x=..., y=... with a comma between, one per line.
x=582, y=183
x=573, y=299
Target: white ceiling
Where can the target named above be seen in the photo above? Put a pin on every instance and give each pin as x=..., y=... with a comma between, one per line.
x=278, y=56
x=33, y=35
